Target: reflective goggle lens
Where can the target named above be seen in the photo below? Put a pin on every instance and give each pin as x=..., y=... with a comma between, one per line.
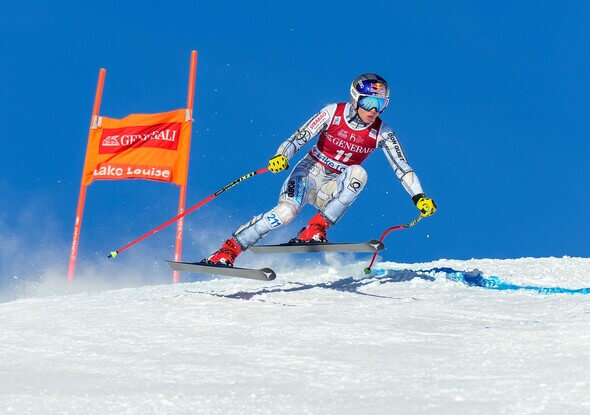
x=370, y=102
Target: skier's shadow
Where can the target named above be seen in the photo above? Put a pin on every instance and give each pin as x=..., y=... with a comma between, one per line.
x=348, y=284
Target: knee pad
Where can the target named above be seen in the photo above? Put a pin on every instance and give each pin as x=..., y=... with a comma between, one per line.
x=285, y=212
x=249, y=233
x=355, y=178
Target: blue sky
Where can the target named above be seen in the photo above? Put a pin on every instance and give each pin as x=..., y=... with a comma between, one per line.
x=489, y=99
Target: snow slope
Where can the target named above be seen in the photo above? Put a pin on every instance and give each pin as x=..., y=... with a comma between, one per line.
x=432, y=338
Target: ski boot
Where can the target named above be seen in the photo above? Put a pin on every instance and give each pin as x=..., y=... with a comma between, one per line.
x=315, y=231
x=226, y=255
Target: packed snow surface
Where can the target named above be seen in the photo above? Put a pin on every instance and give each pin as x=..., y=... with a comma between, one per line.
x=447, y=337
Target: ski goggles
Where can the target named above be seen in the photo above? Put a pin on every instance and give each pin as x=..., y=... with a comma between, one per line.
x=369, y=102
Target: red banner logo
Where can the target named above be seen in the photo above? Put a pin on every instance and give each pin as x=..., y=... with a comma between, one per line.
x=115, y=140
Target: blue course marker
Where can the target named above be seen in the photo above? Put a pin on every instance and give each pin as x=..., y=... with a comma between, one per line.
x=477, y=279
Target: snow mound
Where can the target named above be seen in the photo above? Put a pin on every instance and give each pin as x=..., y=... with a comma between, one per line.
x=408, y=338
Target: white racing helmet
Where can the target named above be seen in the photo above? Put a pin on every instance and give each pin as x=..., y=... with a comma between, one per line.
x=369, y=91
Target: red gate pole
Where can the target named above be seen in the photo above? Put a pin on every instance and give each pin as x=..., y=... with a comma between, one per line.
x=182, y=197
x=82, y=195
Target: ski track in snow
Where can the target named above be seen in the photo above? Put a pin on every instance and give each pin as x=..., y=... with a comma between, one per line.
x=409, y=338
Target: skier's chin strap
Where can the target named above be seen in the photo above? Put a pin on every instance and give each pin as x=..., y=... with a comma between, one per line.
x=354, y=119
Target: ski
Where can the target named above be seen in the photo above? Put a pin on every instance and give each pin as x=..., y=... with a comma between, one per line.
x=370, y=246
x=262, y=274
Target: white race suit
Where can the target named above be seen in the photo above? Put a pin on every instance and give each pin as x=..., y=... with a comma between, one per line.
x=330, y=176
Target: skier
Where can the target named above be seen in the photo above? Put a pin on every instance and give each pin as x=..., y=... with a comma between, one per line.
x=330, y=176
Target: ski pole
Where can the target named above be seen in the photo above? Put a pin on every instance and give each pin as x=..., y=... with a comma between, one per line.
x=387, y=231
x=113, y=254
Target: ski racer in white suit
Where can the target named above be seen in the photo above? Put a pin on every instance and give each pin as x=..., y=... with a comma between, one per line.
x=330, y=176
